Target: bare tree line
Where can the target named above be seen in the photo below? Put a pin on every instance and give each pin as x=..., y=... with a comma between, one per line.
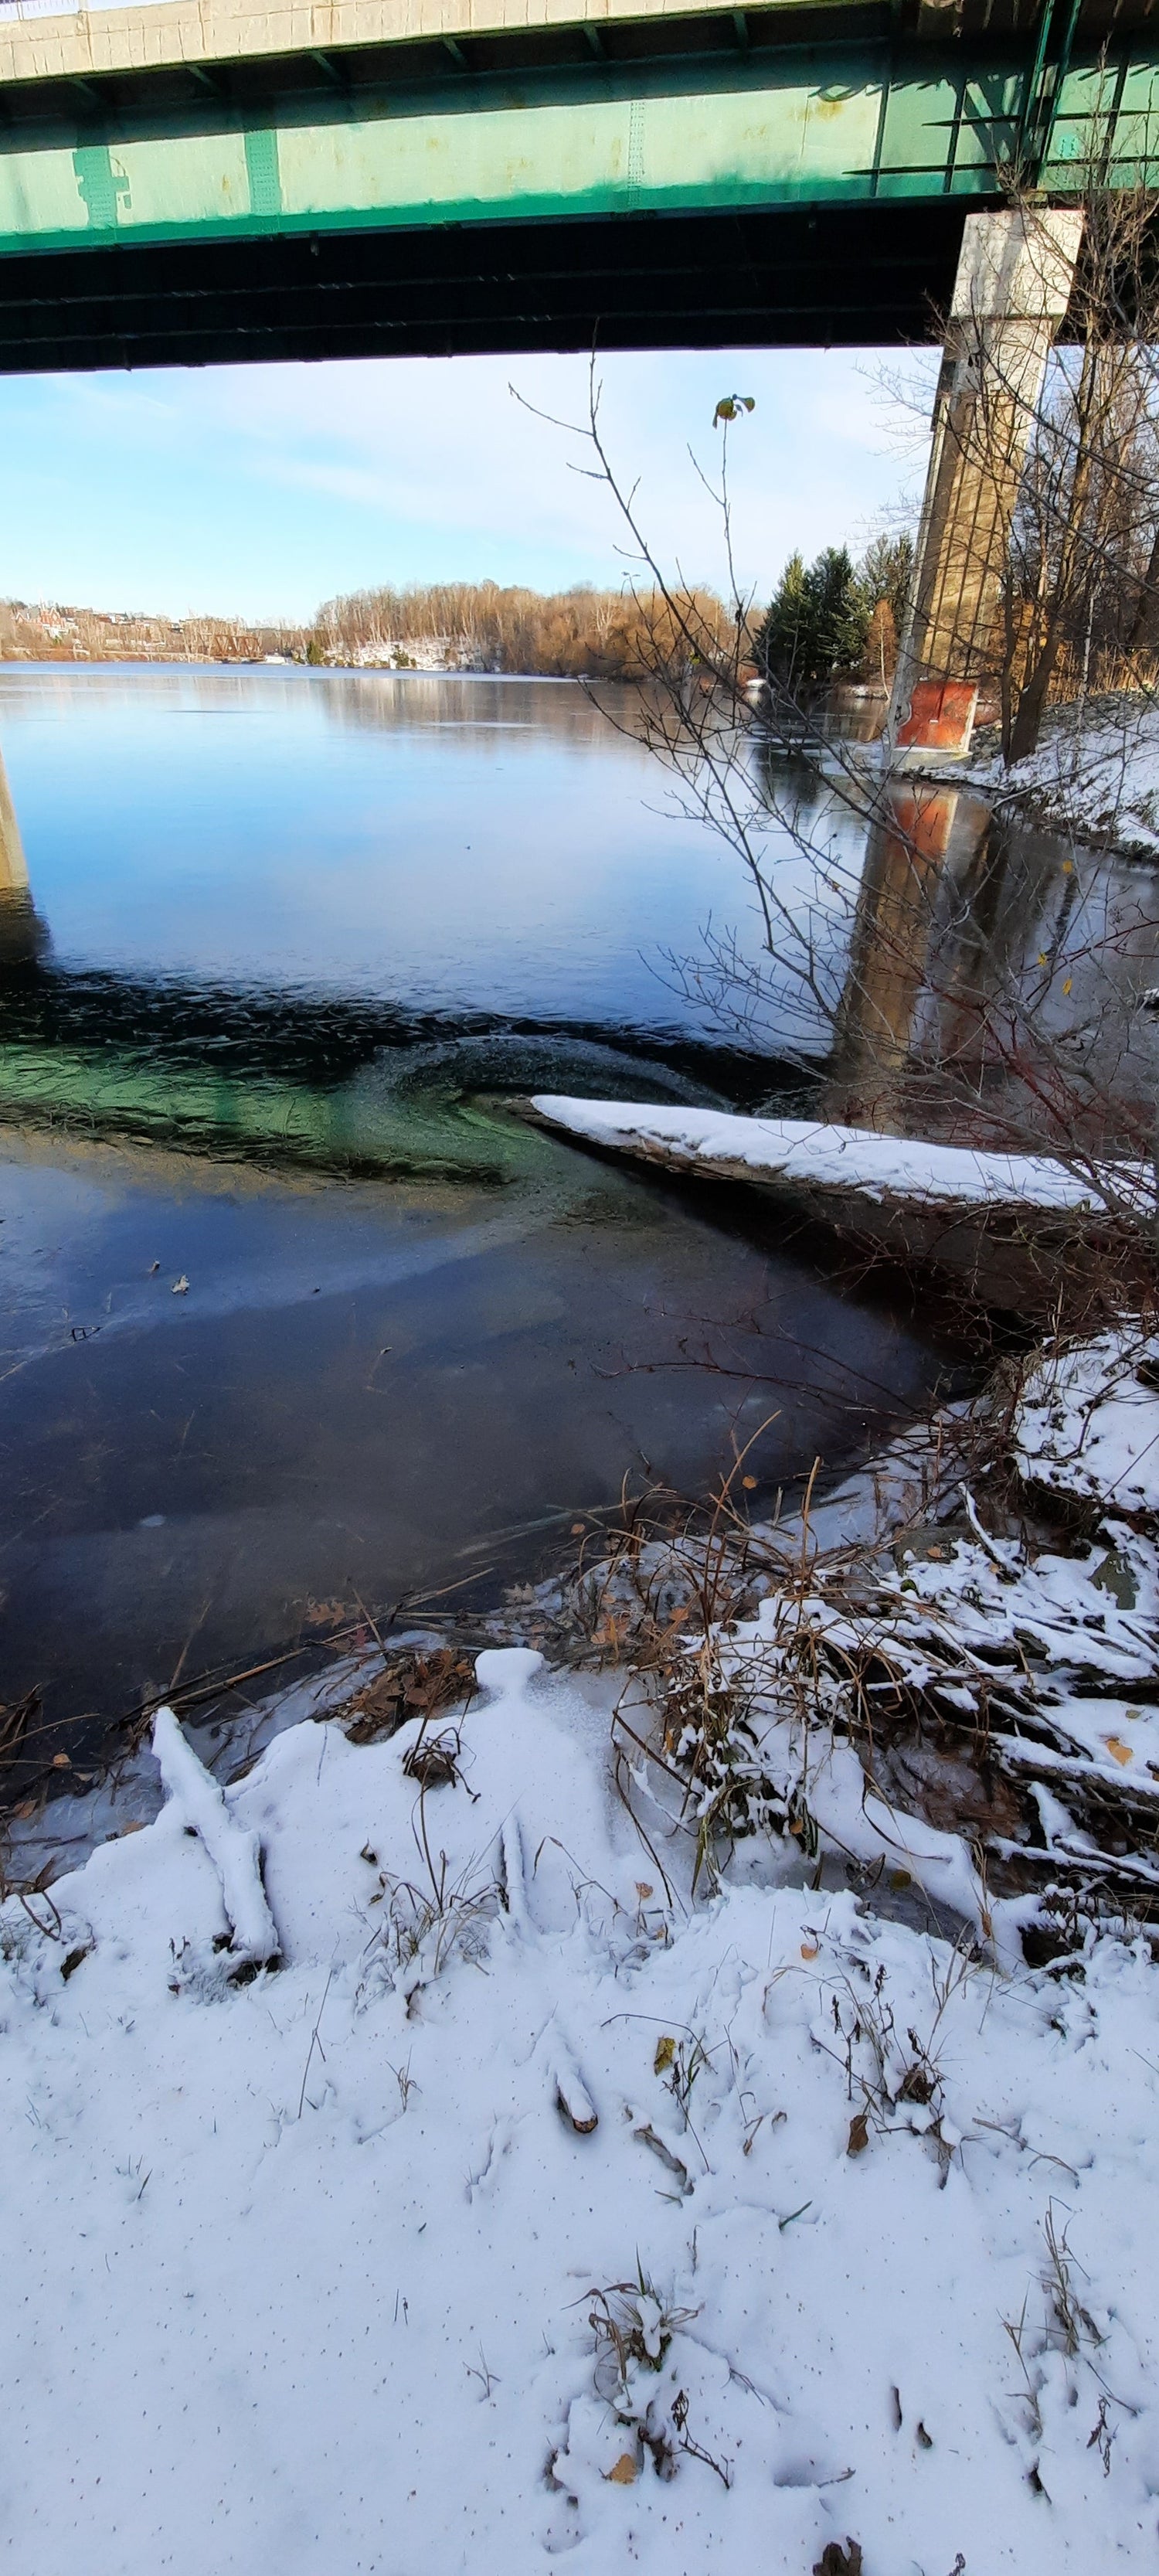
x=580, y=633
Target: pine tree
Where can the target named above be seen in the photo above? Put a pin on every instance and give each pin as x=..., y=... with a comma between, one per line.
x=805, y=635
x=879, y=605
x=782, y=638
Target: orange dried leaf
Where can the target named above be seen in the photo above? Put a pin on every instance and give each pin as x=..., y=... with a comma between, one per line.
x=624, y=2472
x=665, y=2052
x=808, y=1949
x=858, y=2135
x=1119, y=1752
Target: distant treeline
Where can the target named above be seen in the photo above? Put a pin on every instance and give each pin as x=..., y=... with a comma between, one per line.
x=477, y=626
x=831, y=619
x=64, y=634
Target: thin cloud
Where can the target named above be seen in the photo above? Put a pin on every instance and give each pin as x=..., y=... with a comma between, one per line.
x=266, y=489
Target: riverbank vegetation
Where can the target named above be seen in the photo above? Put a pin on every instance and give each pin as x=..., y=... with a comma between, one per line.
x=479, y=626
x=50, y=632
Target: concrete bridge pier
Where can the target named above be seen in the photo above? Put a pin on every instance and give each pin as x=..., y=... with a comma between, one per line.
x=13, y=867
x=1012, y=289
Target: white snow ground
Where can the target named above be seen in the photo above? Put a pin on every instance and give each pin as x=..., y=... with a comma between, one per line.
x=300, y=2274
x=1088, y=1421
x=1095, y=773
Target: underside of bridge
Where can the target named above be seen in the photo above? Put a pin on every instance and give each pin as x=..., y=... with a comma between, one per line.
x=707, y=280
x=206, y=180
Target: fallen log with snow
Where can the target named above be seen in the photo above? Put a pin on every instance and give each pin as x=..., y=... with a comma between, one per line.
x=1008, y=1227
x=234, y=1850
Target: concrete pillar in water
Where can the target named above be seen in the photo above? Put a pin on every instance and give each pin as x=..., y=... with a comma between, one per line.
x=13, y=868
x=1012, y=289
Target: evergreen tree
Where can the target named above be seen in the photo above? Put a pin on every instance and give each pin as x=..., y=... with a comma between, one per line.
x=806, y=634
x=782, y=635
x=879, y=606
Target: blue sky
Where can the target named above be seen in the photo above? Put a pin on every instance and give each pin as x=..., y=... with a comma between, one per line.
x=261, y=491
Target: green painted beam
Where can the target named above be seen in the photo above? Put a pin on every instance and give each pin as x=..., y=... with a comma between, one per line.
x=833, y=124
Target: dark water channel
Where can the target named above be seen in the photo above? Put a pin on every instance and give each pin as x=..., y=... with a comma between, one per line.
x=294, y=1315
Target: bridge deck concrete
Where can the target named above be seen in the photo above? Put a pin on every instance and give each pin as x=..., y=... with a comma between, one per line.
x=96, y=41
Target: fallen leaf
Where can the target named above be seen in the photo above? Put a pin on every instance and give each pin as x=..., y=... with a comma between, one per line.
x=749, y=1483
x=665, y=2052
x=624, y=2473
x=577, y=1529
x=809, y=1949
x=899, y=1878
x=858, y=2134
x=135, y=1826
x=1067, y=986
x=643, y=1889
x=61, y=1762
x=1118, y=1751
x=836, y=2561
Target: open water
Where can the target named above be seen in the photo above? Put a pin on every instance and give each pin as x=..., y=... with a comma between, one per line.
x=294, y=1315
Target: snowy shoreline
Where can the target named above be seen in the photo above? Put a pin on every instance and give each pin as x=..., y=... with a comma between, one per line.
x=1094, y=777
x=417, y=2153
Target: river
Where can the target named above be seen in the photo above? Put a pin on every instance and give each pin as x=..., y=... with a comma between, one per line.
x=294, y=1316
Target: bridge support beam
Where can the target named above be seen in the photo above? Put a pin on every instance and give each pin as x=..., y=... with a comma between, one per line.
x=13, y=867
x=1012, y=289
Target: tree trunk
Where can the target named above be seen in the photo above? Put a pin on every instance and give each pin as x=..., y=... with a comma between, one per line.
x=1145, y=629
x=1027, y=724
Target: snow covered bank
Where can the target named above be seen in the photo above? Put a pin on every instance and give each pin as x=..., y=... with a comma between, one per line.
x=316, y=2273
x=1087, y=1424
x=1095, y=774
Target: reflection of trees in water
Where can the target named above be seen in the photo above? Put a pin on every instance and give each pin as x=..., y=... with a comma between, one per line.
x=389, y=701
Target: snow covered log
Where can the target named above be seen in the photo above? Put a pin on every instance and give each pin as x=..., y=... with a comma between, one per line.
x=1006, y=1226
x=234, y=1850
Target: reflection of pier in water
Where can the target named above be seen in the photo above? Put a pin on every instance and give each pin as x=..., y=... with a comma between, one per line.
x=13, y=867
x=22, y=933
x=989, y=971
